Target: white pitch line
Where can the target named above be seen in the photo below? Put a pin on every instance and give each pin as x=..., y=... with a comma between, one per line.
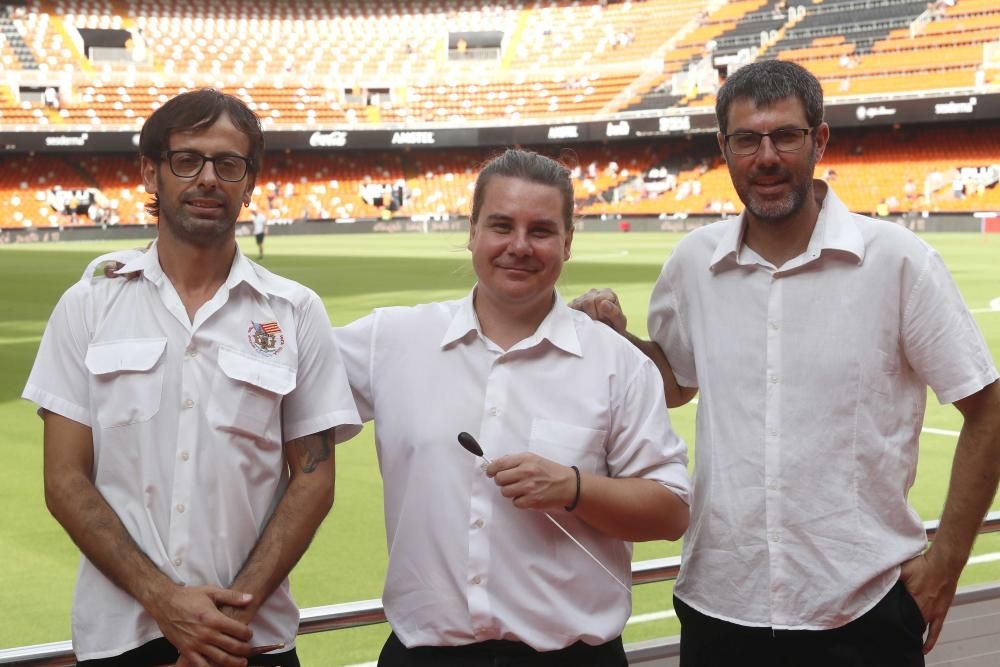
x=652, y=616
x=939, y=431
x=994, y=307
x=984, y=558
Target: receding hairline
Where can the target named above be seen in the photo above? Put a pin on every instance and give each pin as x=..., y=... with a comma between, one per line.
x=769, y=104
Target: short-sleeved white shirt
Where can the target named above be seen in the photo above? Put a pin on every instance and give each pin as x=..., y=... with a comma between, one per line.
x=188, y=422
x=813, y=382
x=259, y=223
x=465, y=565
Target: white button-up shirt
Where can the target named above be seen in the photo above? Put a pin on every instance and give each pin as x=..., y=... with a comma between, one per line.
x=465, y=565
x=812, y=378
x=188, y=421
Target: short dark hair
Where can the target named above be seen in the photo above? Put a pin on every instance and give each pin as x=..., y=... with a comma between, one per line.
x=767, y=82
x=195, y=110
x=529, y=166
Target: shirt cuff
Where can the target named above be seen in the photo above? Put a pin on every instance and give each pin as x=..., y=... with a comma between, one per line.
x=55, y=404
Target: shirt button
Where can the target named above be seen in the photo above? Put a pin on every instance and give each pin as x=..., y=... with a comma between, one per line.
x=189, y=403
x=774, y=433
x=185, y=456
x=180, y=509
x=774, y=379
x=192, y=353
x=476, y=579
x=178, y=561
x=494, y=412
x=773, y=485
x=479, y=523
x=775, y=537
x=774, y=325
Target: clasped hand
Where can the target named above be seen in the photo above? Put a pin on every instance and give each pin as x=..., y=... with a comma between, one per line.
x=533, y=482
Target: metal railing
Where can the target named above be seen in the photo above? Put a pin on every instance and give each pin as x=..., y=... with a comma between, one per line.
x=369, y=612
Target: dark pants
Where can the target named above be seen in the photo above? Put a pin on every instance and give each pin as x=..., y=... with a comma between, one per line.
x=500, y=653
x=889, y=635
x=161, y=652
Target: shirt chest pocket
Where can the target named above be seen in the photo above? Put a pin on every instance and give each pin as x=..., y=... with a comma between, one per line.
x=247, y=393
x=569, y=445
x=127, y=380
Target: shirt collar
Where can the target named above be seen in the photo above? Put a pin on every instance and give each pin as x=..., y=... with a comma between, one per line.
x=558, y=327
x=835, y=230
x=148, y=262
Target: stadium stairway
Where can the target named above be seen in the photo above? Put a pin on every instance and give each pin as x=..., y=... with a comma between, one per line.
x=15, y=40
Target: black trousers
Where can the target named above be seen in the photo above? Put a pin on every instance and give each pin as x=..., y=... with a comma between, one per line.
x=888, y=635
x=161, y=652
x=501, y=653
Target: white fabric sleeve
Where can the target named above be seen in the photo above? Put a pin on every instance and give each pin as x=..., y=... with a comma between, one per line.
x=666, y=324
x=321, y=398
x=356, y=344
x=59, y=380
x=642, y=442
x=940, y=338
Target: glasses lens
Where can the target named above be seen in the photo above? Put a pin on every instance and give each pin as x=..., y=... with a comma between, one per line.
x=744, y=143
x=186, y=164
x=788, y=140
x=230, y=168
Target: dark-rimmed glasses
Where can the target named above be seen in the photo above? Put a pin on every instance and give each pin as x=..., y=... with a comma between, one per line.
x=785, y=140
x=188, y=164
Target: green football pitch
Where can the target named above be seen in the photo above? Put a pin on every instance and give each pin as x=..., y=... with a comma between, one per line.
x=353, y=274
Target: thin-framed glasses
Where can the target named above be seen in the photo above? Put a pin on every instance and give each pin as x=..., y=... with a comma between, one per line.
x=785, y=140
x=188, y=164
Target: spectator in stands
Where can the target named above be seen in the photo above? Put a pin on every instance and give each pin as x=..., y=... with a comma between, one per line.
x=190, y=416
x=812, y=334
x=570, y=414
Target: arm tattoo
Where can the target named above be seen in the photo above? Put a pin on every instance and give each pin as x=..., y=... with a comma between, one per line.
x=313, y=450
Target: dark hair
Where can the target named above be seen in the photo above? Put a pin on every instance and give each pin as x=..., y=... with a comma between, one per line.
x=196, y=110
x=529, y=166
x=767, y=82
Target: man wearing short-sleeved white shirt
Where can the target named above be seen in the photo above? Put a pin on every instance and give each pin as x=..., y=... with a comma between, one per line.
x=190, y=417
x=478, y=575
x=812, y=334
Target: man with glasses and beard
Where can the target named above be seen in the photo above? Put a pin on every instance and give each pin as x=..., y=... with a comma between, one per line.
x=190, y=416
x=812, y=335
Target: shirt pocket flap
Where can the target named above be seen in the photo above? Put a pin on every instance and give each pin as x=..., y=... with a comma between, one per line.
x=568, y=444
x=274, y=378
x=136, y=355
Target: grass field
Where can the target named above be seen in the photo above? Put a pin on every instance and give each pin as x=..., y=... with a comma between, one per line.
x=353, y=274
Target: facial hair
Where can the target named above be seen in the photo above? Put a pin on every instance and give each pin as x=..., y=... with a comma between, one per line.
x=203, y=232
x=785, y=208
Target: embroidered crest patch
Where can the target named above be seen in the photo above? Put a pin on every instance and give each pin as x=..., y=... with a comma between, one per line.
x=266, y=337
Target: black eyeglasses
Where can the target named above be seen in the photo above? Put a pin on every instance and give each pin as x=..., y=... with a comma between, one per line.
x=786, y=140
x=188, y=164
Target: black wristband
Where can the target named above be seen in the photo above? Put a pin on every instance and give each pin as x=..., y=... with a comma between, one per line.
x=576, y=499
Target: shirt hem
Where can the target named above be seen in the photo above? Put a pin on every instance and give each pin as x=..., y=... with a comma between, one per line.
x=806, y=626
x=114, y=652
